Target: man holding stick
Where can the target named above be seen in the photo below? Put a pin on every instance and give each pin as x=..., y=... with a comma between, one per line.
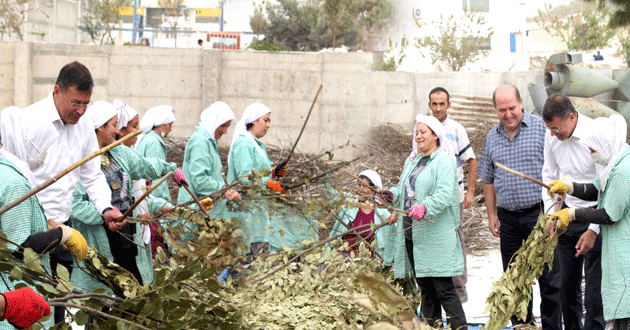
x=567, y=158
x=517, y=141
x=74, y=138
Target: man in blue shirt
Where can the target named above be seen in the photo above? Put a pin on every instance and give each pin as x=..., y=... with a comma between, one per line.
x=518, y=143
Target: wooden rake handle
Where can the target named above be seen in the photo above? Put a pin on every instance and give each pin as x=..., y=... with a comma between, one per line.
x=66, y=171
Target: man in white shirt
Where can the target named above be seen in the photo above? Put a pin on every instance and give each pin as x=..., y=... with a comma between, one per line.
x=458, y=146
x=566, y=158
x=72, y=139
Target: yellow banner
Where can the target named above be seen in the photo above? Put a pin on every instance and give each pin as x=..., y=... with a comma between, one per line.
x=208, y=12
x=128, y=11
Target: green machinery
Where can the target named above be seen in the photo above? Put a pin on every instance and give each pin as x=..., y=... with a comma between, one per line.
x=563, y=76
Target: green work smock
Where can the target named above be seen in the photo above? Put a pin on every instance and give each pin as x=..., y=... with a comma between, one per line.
x=18, y=223
x=615, y=199
x=290, y=228
x=243, y=158
x=202, y=167
x=90, y=223
x=384, y=236
x=152, y=146
x=436, y=248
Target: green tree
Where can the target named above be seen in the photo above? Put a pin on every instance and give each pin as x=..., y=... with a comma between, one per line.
x=459, y=41
x=13, y=15
x=579, y=28
x=339, y=17
x=100, y=17
x=374, y=15
x=172, y=12
x=624, y=44
x=310, y=26
x=394, y=56
x=621, y=14
x=257, y=21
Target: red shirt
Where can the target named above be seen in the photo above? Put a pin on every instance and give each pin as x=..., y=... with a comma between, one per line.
x=361, y=219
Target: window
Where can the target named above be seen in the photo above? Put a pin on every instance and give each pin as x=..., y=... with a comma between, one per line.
x=476, y=5
x=480, y=43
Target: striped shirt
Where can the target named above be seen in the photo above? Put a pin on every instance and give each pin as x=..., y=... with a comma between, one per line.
x=458, y=146
x=525, y=153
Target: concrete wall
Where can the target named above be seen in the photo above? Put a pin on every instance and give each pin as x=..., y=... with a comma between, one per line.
x=52, y=21
x=353, y=98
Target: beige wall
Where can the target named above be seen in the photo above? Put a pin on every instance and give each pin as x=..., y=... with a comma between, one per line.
x=353, y=98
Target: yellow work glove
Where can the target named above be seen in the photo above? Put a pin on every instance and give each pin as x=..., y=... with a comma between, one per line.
x=207, y=203
x=559, y=187
x=564, y=216
x=77, y=244
x=74, y=241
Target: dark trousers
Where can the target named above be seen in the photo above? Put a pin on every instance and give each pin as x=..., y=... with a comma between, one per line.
x=60, y=257
x=621, y=324
x=571, y=280
x=437, y=293
x=460, y=280
x=515, y=228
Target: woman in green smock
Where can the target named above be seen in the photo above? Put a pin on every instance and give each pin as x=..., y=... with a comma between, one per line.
x=202, y=162
x=430, y=252
x=246, y=154
x=607, y=142
x=120, y=242
x=156, y=124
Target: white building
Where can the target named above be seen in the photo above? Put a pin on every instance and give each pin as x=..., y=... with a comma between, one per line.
x=509, y=45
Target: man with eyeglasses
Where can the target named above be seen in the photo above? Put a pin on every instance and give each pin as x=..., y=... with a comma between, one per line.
x=566, y=158
x=71, y=138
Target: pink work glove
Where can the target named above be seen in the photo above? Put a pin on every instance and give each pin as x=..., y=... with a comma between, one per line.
x=24, y=307
x=180, y=178
x=417, y=212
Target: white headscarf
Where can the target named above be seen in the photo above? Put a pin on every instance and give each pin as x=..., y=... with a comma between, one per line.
x=156, y=116
x=434, y=124
x=27, y=138
x=608, y=137
x=216, y=115
x=100, y=113
x=251, y=114
x=373, y=177
x=125, y=113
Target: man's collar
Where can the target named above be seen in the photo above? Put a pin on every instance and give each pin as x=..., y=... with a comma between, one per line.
x=526, y=118
x=51, y=114
x=579, y=126
x=524, y=121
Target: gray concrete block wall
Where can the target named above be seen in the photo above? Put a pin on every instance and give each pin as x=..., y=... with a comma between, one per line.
x=8, y=68
x=353, y=99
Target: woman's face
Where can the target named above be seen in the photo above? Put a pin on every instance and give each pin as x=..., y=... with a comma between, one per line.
x=221, y=130
x=364, y=188
x=132, y=126
x=425, y=138
x=164, y=129
x=106, y=134
x=260, y=126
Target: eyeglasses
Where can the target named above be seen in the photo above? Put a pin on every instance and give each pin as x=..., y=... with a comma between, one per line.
x=77, y=106
x=556, y=130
